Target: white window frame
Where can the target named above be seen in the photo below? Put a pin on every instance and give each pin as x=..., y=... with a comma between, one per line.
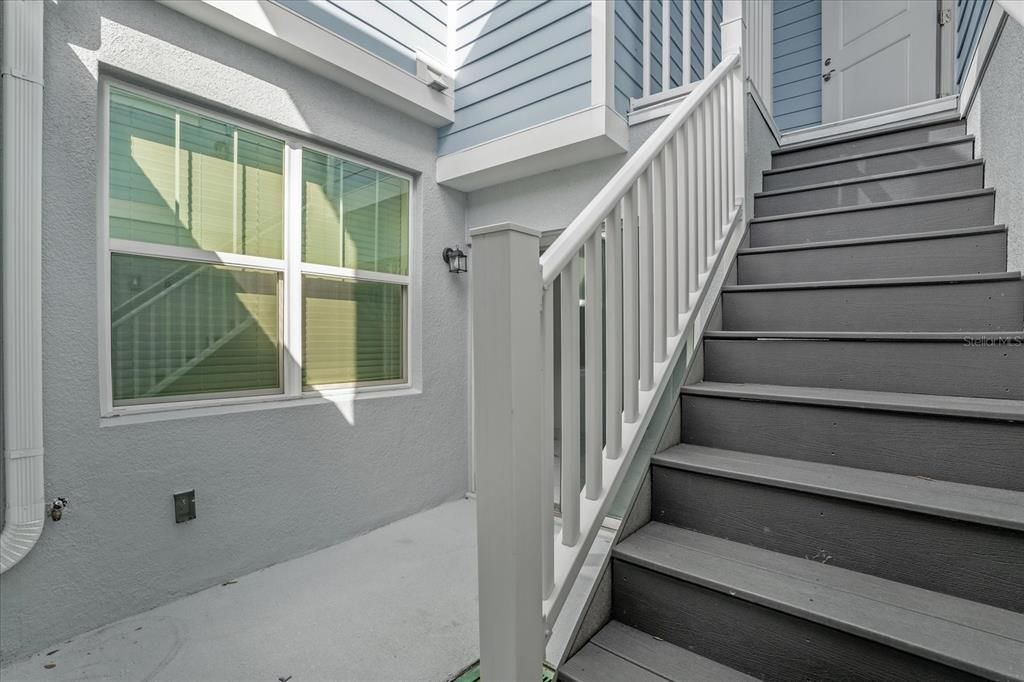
x=290, y=268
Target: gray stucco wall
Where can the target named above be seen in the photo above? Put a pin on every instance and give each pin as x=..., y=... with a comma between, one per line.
x=995, y=119
x=271, y=484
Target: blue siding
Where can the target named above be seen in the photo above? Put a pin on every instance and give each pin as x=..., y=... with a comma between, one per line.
x=970, y=18
x=519, y=63
x=716, y=33
x=696, y=39
x=655, y=46
x=675, y=14
x=796, y=41
x=391, y=29
x=629, y=46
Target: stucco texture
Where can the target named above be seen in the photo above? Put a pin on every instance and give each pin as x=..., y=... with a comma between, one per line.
x=270, y=484
x=995, y=120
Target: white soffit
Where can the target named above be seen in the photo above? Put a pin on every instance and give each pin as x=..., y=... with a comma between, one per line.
x=592, y=133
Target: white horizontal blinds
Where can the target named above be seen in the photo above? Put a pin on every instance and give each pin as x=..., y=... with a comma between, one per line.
x=187, y=180
x=357, y=218
x=354, y=216
x=181, y=328
x=352, y=331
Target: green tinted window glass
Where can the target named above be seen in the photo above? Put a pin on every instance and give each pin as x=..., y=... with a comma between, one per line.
x=181, y=328
x=353, y=216
x=353, y=331
x=187, y=180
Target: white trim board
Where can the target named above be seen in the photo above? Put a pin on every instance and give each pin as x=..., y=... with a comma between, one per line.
x=935, y=108
x=283, y=33
x=990, y=32
x=592, y=133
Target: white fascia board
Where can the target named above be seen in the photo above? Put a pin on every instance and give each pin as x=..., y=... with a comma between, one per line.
x=593, y=133
x=281, y=32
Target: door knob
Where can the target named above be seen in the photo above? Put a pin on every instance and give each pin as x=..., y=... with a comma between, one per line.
x=828, y=76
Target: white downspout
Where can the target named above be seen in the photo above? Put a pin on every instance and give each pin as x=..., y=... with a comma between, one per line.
x=21, y=72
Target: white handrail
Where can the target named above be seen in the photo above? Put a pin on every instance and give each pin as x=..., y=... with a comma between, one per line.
x=647, y=256
x=582, y=227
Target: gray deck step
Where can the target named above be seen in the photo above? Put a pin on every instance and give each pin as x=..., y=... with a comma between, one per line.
x=982, y=303
x=947, y=252
x=995, y=507
x=966, y=541
x=619, y=653
x=905, y=216
x=992, y=366
x=783, y=617
x=907, y=184
x=867, y=141
x=967, y=440
x=921, y=155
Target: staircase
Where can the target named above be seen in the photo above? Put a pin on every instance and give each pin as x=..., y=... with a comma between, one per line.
x=848, y=499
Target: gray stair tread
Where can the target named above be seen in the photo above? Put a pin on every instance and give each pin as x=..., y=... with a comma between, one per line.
x=660, y=657
x=873, y=206
x=594, y=664
x=878, y=282
x=976, y=504
x=980, y=639
x=868, y=336
x=869, y=155
x=861, y=241
x=948, y=406
x=869, y=178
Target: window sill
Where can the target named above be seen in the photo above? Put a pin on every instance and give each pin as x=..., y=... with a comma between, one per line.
x=342, y=397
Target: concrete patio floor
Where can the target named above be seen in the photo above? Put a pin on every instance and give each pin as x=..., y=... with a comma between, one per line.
x=399, y=603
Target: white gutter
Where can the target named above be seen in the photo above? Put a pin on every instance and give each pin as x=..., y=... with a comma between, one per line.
x=21, y=73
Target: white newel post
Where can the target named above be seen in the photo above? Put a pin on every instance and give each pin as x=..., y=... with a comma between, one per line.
x=507, y=369
x=733, y=34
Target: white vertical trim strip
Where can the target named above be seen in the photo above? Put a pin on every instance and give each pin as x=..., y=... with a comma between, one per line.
x=602, y=51
x=292, y=299
x=547, y=445
x=103, y=247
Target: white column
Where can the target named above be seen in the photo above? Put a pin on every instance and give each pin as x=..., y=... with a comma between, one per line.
x=507, y=365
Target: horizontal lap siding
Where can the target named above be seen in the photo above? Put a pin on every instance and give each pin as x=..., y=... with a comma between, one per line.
x=970, y=18
x=393, y=30
x=716, y=33
x=696, y=39
x=656, y=46
x=629, y=46
x=676, y=50
x=796, y=41
x=519, y=63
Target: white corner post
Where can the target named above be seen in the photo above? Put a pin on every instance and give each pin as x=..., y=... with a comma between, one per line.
x=508, y=359
x=21, y=66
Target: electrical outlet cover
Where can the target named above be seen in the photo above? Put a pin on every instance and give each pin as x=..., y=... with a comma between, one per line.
x=184, y=506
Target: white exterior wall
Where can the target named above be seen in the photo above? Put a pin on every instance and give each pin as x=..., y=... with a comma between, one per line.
x=270, y=484
x=995, y=120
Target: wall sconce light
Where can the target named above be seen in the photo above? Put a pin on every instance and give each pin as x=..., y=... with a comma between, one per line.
x=455, y=258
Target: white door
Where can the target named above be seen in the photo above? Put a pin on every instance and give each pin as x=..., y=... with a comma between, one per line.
x=876, y=55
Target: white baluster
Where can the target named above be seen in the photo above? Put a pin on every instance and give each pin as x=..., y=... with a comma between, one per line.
x=646, y=282
x=692, y=202
x=630, y=316
x=707, y=115
x=700, y=135
x=570, y=384
x=671, y=241
x=716, y=162
x=658, y=203
x=682, y=227
x=547, y=470
x=613, y=334
x=593, y=362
